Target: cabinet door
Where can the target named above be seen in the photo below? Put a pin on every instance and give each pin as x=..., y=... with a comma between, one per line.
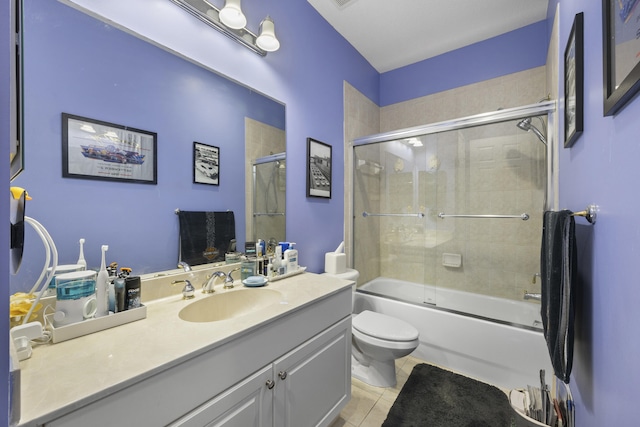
x=247, y=404
x=313, y=381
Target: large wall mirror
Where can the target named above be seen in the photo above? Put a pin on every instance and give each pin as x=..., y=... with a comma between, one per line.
x=76, y=64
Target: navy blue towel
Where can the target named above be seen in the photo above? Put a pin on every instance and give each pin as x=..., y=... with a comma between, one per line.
x=558, y=264
x=205, y=236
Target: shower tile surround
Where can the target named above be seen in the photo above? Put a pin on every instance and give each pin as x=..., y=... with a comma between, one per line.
x=501, y=174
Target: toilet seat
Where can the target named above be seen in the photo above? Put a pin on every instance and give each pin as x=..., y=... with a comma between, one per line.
x=383, y=327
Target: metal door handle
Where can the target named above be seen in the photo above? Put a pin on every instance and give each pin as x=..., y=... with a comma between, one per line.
x=282, y=374
x=270, y=384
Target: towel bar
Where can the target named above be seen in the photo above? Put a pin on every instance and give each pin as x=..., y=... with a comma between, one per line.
x=591, y=213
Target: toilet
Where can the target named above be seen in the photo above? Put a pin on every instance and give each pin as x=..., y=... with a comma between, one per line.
x=377, y=341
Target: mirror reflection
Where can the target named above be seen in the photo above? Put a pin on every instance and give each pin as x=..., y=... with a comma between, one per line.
x=78, y=65
x=269, y=194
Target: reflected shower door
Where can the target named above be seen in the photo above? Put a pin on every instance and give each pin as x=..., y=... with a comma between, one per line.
x=269, y=197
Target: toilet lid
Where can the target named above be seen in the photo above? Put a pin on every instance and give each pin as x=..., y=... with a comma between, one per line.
x=384, y=327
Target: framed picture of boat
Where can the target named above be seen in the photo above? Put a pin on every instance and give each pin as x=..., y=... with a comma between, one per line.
x=94, y=149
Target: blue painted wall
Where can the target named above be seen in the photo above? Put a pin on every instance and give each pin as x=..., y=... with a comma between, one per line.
x=509, y=53
x=602, y=168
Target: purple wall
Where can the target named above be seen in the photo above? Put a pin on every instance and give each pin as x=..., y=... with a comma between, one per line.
x=602, y=168
x=515, y=51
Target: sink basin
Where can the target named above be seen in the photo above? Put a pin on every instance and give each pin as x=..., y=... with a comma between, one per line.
x=229, y=305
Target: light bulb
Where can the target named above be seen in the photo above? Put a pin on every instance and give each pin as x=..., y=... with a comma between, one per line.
x=231, y=15
x=267, y=39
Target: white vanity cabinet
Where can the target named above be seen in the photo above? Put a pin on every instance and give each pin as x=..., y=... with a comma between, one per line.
x=291, y=370
x=313, y=382
x=306, y=387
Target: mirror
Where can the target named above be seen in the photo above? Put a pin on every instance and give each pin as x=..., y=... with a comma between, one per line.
x=76, y=64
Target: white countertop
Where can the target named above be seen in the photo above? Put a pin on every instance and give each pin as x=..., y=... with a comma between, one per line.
x=70, y=374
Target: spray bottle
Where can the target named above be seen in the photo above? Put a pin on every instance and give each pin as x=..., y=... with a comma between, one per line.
x=102, y=285
x=81, y=260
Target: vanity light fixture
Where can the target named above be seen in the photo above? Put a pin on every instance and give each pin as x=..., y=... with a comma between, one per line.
x=231, y=22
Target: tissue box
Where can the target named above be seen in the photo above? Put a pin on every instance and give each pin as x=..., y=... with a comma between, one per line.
x=335, y=263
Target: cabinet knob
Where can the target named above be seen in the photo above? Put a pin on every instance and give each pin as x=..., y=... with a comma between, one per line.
x=282, y=374
x=270, y=384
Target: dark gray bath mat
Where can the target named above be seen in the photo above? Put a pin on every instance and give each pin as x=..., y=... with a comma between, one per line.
x=433, y=397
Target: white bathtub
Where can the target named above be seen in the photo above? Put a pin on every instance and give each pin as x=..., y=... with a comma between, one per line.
x=501, y=354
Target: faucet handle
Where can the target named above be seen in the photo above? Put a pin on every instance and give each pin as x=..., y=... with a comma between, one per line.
x=228, y=282
x=188, y=291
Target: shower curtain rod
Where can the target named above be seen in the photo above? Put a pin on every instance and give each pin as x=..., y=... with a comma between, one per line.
x=522, y=216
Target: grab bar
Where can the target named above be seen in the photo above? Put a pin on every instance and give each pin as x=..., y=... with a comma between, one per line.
x=268, y=214
x=419, y=214
x=522, y=216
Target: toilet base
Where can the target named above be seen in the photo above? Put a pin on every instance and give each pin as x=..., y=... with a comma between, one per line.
x=374, y=372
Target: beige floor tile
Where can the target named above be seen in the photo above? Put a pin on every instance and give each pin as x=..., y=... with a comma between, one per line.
x=366, y=387
x=378, y=414
x=340, y=422
x=361, y=403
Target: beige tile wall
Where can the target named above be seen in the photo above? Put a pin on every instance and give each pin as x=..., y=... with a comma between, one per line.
x=362, y=118
x=490, y=174
x=260, y=140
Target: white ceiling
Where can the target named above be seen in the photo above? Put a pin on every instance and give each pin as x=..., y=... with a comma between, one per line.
x=394, y=33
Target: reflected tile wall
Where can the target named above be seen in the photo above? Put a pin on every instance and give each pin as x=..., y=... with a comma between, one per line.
x=260, y=140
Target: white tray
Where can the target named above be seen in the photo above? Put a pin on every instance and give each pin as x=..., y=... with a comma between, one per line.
x=86, y=327
x=285, y=275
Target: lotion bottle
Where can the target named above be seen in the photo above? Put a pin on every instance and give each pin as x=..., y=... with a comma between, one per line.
x=102, y=286
x=291, y=258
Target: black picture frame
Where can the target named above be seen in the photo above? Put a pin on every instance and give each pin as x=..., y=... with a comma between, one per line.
x=206, y=164
x=621, y=66
x=574, y=82
x=98, y=150
x=318, y=169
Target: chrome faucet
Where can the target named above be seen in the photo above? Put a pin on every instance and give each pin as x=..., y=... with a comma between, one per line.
x=186, y=267
x=228, y=282
x=207, y=287
x=537, y=297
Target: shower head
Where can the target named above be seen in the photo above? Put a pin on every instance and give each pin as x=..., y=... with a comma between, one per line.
x=526, y=125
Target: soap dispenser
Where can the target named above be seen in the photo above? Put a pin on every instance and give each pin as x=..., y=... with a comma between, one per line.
x=102, y=286
x=81, y=260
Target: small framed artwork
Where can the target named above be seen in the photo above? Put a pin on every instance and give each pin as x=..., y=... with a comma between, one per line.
x=318, y=169
x=621, y=53
x=206, y=164
x=94, y=149
x=574, y=82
